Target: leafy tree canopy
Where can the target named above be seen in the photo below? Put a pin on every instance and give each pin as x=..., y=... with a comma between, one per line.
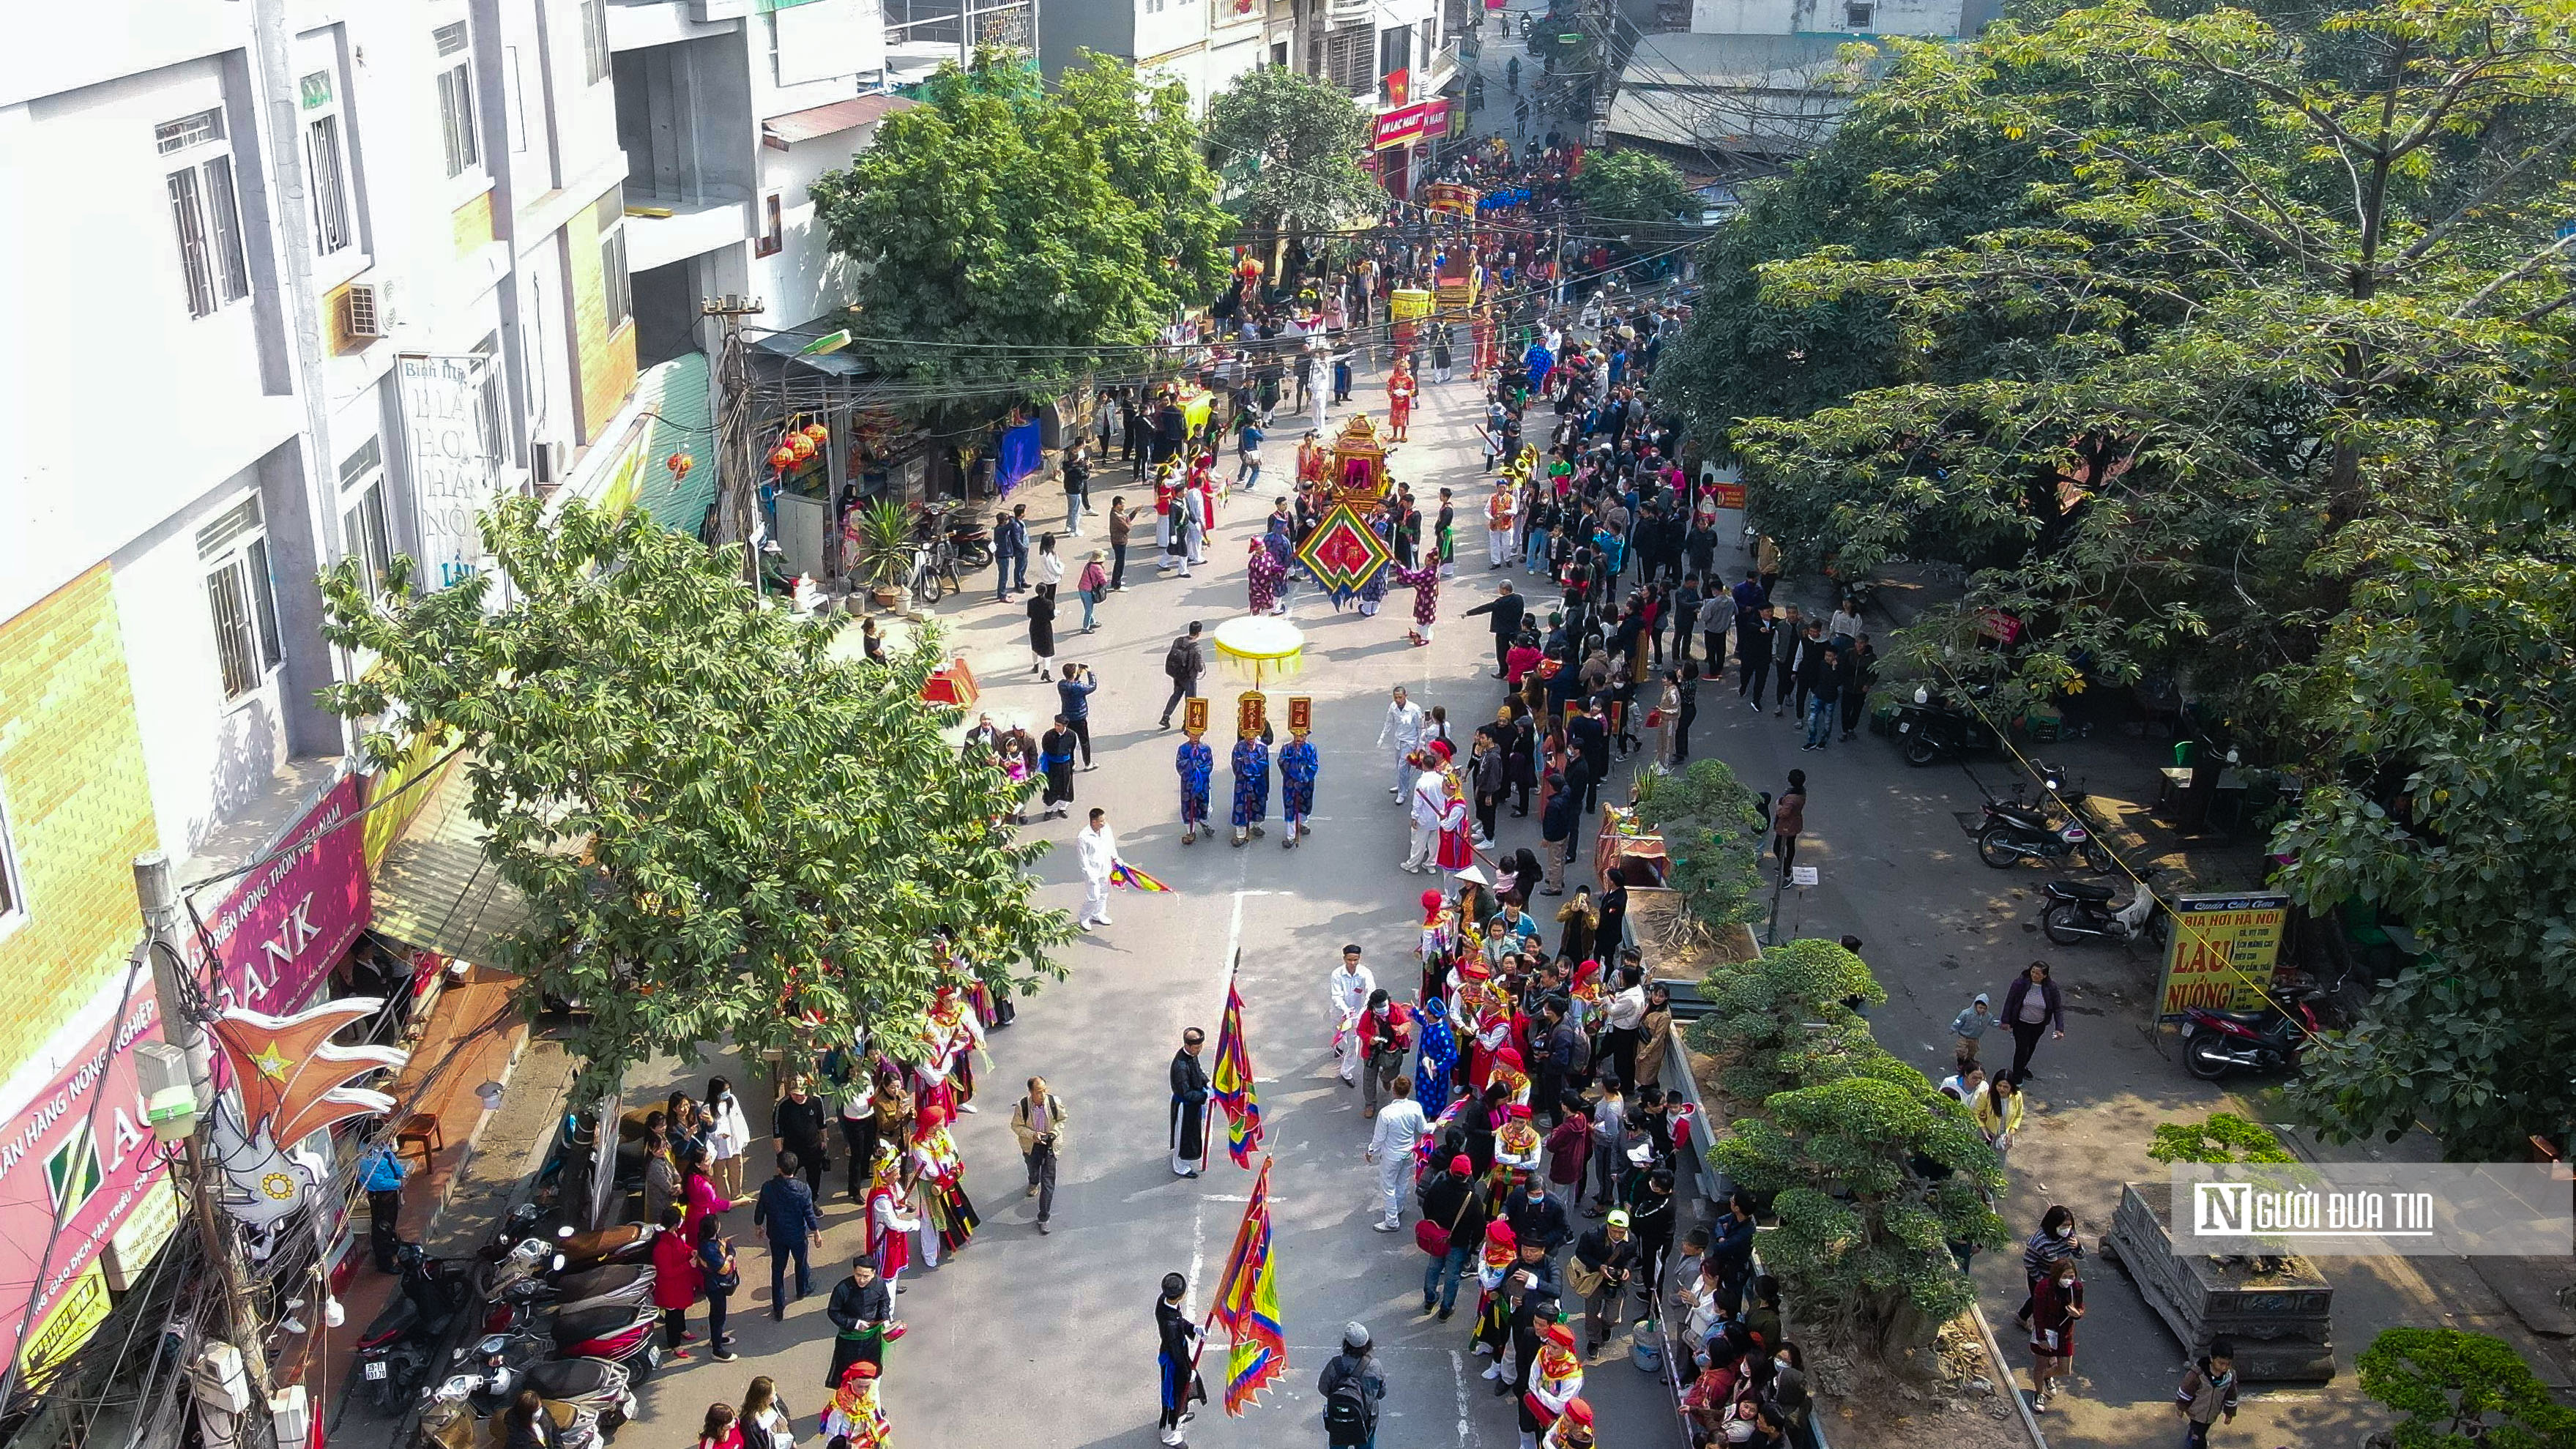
x=2462, y=1391
x=1308, y=136
x=990, y=228
x=722, y=831
x=1712, y=833
x=1634, y=194
x=2146, y=311
x=1152, y=150
x=2445, y=706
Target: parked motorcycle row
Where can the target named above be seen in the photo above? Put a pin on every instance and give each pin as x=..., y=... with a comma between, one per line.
x=570, y=1316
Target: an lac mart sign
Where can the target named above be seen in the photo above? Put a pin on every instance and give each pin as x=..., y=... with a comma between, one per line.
x=1412, y=123
x=78, y=1153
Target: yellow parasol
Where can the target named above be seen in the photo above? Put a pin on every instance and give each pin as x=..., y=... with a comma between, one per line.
x=1260, y=647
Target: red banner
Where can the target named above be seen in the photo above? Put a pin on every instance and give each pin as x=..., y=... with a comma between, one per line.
x=289, y=922
x=1400, y=125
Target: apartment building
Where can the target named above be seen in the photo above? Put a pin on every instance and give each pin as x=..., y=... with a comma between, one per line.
x=1400, y=59
x=1203, y=44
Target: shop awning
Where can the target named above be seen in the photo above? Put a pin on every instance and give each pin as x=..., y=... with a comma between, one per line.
x=437, y=891
x=817, y=121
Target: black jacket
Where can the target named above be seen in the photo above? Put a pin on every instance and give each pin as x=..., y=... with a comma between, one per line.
x=853, y=1306
x=1174, y=1328
x=1449, y=1197
x=1542, y=1222
x=1508, y=610
x=1595, y=1251
x=799, y=1124
x=1189, y=1079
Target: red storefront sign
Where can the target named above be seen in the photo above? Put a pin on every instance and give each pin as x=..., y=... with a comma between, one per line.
x=78, y=1154
x=289, y=922
x=1400, y=125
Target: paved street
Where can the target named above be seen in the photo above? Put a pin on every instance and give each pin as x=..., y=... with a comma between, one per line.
x=1049, y=1340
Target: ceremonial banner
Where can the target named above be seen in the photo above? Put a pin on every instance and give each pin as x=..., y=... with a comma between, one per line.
x=1231, y=1082
x=1343, y=553
x=1247, y=1306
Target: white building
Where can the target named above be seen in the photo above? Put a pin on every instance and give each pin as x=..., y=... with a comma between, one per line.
x=1396, y=57
x=1854, y=18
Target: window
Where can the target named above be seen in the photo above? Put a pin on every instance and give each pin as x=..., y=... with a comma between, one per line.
x=13, y=897
x=614, y=284
x=326, y=165
x=240, y=596
x=1394, y=49
x=1154, y=7
x=456, y=101
x=594, y=39
x=772, y=229
x=487, y=396
x=1858, y=17
x=205, y=212
x=1347, y=60
x=363, y=535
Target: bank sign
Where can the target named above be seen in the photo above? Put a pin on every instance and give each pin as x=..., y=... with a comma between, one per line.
x=80, y=1153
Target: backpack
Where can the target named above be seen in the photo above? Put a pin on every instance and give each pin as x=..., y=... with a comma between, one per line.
x=1346, y=1414
x=1176, y=662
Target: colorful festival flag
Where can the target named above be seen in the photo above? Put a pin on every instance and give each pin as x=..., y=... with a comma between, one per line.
x=1123, y=874
x=1231, y=1082
x=1247, y=1306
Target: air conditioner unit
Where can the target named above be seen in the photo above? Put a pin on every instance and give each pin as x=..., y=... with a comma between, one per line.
x=362, y=313
x=548, y=462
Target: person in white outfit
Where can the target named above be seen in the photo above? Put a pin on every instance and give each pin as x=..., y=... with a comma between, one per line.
x=730, y=1137
x=1319, y=384
x=1428, y=802
x=1350, y=988
x=1402, y=732
x=1400, y=1128
x=1099, y=851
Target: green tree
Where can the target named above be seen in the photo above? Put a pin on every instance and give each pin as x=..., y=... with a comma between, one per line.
x=987, y=232
x=1152, y=149
x=1711, y=827
x=1635, y=195
x=2221, y=1137
x=1305, y=138
x=2462, y=1391
x=722, y=831
x=2445, y=708
x=1865, y=1231
x=1765, y=1016
x=2230, y=285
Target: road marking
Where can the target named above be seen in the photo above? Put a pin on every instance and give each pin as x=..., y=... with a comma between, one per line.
x=1466, y=1422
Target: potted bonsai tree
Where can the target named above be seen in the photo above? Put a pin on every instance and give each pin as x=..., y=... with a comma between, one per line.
x=884, y=530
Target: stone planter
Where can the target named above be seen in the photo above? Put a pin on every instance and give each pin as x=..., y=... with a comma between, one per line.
x=2283, y=1322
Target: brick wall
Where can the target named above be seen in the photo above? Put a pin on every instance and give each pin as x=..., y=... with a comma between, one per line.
x=79, y=809
x=607, y=361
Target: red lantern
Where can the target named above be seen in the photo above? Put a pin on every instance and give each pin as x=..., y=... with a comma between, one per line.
x=680, y=464
x=818, y=433
x=800, y=445
x=781, y=460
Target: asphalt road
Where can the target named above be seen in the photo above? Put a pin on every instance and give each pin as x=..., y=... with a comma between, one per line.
x=1049, y=1340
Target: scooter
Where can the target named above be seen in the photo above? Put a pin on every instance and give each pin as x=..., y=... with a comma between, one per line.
x=2014, y=832
x=623, y=1336
x=611, y=1285
x=2215, y=1043
x=1931, y=728
x=622, y=1243
x=2075, y=911
x=393, y=1351
x=501, y=1364
x=449, y=1417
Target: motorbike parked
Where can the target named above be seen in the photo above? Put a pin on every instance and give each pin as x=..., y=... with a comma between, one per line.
x=2215, y=1043
x=394, y=1350
x=449, y=1417
x=500, y=1364
x=611, y=1285
x=2071, y=912
x=1931, y=728
x=621, y=1243
x=2013, y=832
x=623, y=1336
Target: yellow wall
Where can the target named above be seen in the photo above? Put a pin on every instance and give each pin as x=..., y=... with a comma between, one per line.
x=79, y=809
x=473, y=223
x=607, y=361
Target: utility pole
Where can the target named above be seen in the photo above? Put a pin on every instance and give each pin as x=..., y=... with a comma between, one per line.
x=735, y=466
x=181, y=1028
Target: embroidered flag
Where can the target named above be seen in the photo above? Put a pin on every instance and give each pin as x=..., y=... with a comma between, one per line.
x=1231, y=1083
x=1123, y=874
x=1247, y=1306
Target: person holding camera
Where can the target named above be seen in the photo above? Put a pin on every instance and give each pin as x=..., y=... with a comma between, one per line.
x=1038, y=1120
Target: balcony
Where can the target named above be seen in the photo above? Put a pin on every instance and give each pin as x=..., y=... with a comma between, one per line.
x=660, y=232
